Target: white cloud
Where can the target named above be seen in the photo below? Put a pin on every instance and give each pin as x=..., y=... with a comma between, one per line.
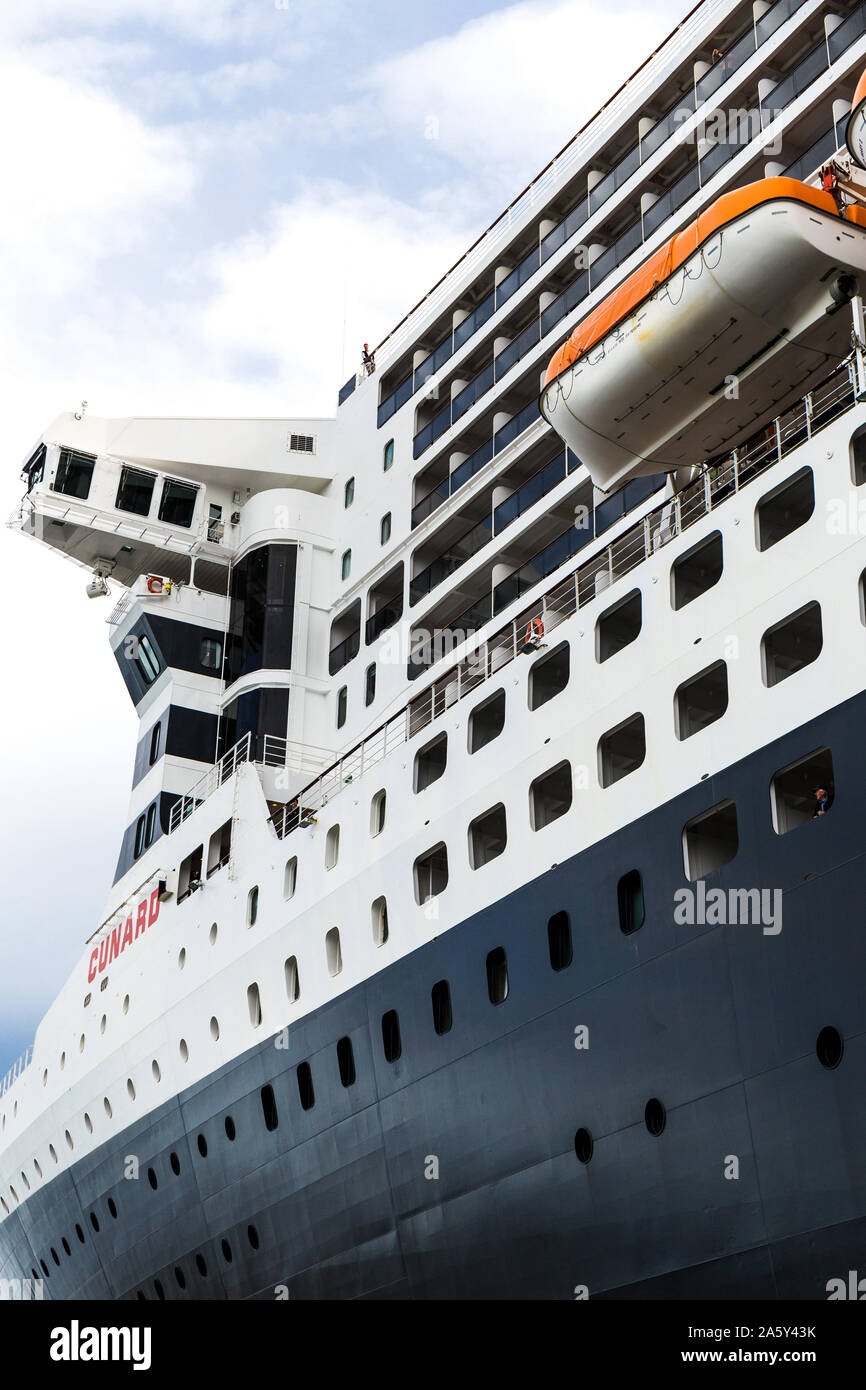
x=505, y=92
x=86, y=179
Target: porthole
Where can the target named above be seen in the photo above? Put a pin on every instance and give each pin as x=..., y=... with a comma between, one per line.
x=53, y=1153
x=157, y=1074
x=181, y=959
x=45, y=1077
x=253, y=1237
x=5, y=1208
x=94, y=1221
x=43, y=1266
x=55, y=1257
x=130, y=1089
x=62, y=1060
x=141, y=1295
x=160, y=1291
x=69, y=1140
x=79, y=1232
x=654, y=1116
x=201, y=1265
x=829, y=1047
x=583, y=1145
x=180, y=1277
x=152, y=1179
x=102, y=1022
x=213, y=934
x=38, y=1167
x=227, y=1252
x=125, y=1005
x=88, y=1123
x=231, y=1132
x=107, y=1104
x=65, y=1243
x=87, y=999
x=184, y=1050
x=202, y=1146
x=112, y=1208
x=25, y=1180
x=81, y=1042
x=214, y=1030
x=104, y=984
x=174, y=1164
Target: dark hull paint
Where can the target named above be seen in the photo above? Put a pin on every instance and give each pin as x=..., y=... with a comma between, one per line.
x=720, y=1023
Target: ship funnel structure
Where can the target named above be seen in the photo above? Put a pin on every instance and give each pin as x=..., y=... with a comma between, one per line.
x=678, y=362
x=855, y=131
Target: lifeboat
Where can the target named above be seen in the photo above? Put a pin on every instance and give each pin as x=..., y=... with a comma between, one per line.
x=718, y=330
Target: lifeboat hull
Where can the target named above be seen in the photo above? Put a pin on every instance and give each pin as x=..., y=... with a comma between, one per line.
x=632, y=401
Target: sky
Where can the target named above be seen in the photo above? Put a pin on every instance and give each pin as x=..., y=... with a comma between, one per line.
x=209, y=205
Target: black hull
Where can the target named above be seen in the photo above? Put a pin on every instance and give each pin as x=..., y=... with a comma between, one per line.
x=718, y=1022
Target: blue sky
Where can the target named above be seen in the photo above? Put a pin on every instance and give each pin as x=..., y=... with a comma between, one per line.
x=209, y=205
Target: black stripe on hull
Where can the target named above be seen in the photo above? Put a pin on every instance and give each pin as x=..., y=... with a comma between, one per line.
x=719, y=1023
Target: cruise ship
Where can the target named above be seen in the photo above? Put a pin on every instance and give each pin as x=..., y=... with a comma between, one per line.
x=484, y=921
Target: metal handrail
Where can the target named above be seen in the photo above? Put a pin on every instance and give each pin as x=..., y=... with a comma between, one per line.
x=16, y=1069
x=640, y=542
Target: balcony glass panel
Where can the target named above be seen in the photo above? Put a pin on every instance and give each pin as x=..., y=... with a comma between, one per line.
x=682, y=190
x=849, y=31
x=560, y=235
x=667, y=124
x=725, y=67
x=466, y=398
x=795, y=83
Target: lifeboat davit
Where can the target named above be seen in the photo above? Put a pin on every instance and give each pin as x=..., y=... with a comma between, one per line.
x=682, y=358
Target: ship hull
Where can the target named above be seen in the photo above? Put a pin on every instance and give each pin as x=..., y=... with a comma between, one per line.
x=451, y=1173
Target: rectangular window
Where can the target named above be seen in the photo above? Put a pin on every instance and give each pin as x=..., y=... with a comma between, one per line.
x=497, y=976
x=621, y=750
x=332, y=847
x=379, y=913
x=333, y=951
x=550, y=796
x=290, y=877
x=74, y=474
x=370, y=684
x=700, y=701
x=146, y=659
x=269, y=1108
x=431, y=873
x=392, y=1043
x=385, y=529
x=377, y=813
x=305, y=1086
x=784, y=509
x=293, y=980
x=630, y=902
x=440, y=998
x=548, y=676
x=346, y=1062
x=487, y=721
x=342, y=705
x=388, y=455
x=697, y=571
x=254, y=1004
x=710, y=840
x=211, y=653
x=430, y=762
x=349, y=493
x=346, y=564
x=487, y=837
x=790, y=645
x=189, y=874
x=135, y=492
x=618, y=626
x=803, y=791
x=177, y=503
x=220, y=848
x=559, y=941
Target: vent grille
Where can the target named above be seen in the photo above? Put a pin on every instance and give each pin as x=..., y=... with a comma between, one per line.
x=302, y=443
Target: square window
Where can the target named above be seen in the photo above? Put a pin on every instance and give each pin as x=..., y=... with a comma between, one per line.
x=211, y=653
x=710, y=840
x=550, y=796
x=701, y=700
x=621, y=750
x=697, y=571
x=790, y=645
x=177, y=504
x=784, y=509
x=802, y=791
x=74, y=474
x=487, y=837
x=617, y=626
x=135, y=492
x=549, y=676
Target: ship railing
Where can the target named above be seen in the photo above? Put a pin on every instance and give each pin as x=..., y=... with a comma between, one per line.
x=16, y=1069
x=267, y=750
x=717, y=481
x=207, y=784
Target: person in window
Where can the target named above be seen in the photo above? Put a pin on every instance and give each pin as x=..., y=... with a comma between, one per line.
x=368, y=360
x=717, y=53
x=822, y=801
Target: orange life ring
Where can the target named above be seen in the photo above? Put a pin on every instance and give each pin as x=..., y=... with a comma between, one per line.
x=154, y=584
x=535, y=630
